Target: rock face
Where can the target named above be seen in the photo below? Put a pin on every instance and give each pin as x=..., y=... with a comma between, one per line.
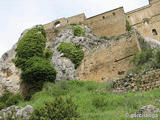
x=148, y=109
x=109, y=59
x=18, y=112
x=10, y=79
x=64, y=66
x=150, y=43
x=9, y=74
x=104, y=59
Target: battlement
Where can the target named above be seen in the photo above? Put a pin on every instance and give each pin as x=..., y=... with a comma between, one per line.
x=77, y=19
x=112, y=23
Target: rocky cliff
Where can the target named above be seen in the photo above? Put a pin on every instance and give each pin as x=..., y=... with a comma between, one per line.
x=104, y=59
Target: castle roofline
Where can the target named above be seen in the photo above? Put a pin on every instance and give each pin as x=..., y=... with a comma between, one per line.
x=106, y=12
x=138, y=9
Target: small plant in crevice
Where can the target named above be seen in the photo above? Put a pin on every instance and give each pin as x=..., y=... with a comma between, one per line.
x=104, y=37
x=115, y=37
x=141, y=39
x=56, y=30
x=78, y=31
x=72, y=51
x=128, y=26
x=73, y=24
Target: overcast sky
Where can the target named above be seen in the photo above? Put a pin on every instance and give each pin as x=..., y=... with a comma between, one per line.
x=17, y=15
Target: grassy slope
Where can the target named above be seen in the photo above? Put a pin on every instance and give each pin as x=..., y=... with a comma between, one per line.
x=115, y=106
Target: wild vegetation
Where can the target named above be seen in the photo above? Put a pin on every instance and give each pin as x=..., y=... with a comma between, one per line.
x=58, y=109
x=94, y=101
x=112, y=37
x=8, y=99
x=78, y=100
x=34, y=59
x=145, y=60
x=128, y=26
x=78, y=31
x=72, y=51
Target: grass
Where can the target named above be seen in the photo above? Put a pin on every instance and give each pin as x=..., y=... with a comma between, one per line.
x=95, y=100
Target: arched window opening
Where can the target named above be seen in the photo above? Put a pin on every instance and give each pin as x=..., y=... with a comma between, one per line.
x=57, y=24
x=114, y=13
x=146, y=21
x=103, y=17
x=154, y=32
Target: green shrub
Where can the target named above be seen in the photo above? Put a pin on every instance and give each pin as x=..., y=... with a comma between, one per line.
x=157, y=56
x=38, y=70
x=14, y=99
x=77, y=83
x=5, y=96
x=32, y=44
x=64, y=85
x=73, y=52
x=141, y=39
x=33, y=58
x=59, y=109
x=104, y=37
x=142, y=57
x=115, y=37
x=56, y=30
x=56, y=90
x=145, y=60
x=48, y=54
x=136, y=70
x=8, y=99
x=2, y=105
x=99, y=102
x=78, y=31
x=109, y=85
x=73, y=24
x=128, y=26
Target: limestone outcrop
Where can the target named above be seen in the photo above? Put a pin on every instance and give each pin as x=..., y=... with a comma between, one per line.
x=10, y=79
x=9, y=75
x=17, y=112
x=105, y=58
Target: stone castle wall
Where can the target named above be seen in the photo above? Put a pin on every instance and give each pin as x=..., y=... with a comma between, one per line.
x=57, y=25
x=110, y=60
x=146, y=20
x=77, y=19
x=110, y=23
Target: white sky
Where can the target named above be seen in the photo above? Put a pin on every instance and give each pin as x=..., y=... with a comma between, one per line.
x=17, y=15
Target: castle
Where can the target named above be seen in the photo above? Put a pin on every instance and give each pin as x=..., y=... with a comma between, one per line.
x=112, y=23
